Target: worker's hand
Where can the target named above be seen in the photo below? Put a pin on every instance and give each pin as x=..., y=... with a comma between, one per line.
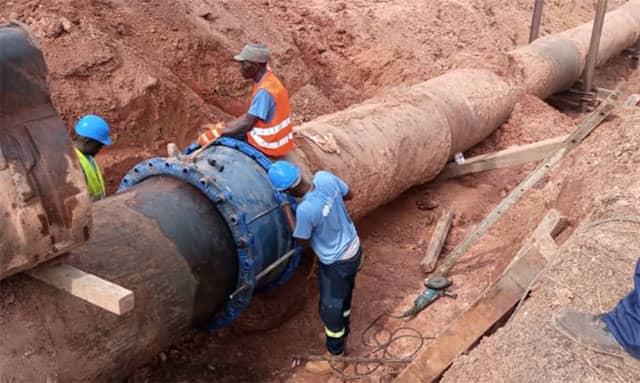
x=212, y=133
x=289, y=215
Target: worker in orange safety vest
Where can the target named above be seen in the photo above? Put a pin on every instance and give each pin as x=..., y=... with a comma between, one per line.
x=267, y=123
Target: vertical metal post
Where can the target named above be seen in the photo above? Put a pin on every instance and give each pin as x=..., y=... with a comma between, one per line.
x=592, y=56
x=535, y=21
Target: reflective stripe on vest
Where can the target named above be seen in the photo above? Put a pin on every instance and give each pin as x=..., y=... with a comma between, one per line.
x=275, y=138
x=274, y=130
x=93, y=176
x=271, y=145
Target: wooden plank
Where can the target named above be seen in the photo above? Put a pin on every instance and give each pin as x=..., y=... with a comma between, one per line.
x=548, y=228
x=513, y=156
x=436, y=242
x=494, y=303
x=586, y=126
x=88, y=287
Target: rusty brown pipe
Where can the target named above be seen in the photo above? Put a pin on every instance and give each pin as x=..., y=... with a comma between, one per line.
x=553, y=63
x=404, y=137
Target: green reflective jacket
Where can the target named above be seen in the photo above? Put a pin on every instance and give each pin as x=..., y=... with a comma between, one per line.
x=93, y=176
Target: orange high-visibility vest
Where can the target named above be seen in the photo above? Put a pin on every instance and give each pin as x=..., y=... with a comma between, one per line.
x=275, y=138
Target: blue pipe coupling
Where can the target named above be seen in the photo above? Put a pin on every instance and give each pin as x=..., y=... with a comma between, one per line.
x=233, y=176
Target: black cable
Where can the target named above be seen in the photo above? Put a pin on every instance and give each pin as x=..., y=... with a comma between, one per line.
x=383, y=346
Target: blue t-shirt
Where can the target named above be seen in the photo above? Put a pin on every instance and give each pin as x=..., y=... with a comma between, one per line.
x=322, y=217
x=263, y=106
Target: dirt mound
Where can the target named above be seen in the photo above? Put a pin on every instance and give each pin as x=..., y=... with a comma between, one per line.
x=157, y=69
x=591, y=273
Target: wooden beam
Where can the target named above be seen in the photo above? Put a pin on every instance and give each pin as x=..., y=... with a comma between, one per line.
x=88, y=287
x=436, y=242
x=580, y=133
x=494, y=303
x=513, y=156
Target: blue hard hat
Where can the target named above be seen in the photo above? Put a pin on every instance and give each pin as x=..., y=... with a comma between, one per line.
x=283, y=175
x=94, y=127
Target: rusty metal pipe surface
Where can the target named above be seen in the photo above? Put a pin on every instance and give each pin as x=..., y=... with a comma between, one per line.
x=552, y=64
x=404, y=137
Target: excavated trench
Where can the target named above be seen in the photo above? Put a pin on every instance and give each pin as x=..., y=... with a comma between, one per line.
x=394, y=237
x=280, y=324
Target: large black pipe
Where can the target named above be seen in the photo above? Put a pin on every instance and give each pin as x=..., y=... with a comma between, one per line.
x=186, y=268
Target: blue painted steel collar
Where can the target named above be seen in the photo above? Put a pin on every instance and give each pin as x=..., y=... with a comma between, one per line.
x=233, y=216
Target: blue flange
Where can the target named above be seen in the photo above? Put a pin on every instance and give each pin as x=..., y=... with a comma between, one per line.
x=265, y=163
x=233, y=212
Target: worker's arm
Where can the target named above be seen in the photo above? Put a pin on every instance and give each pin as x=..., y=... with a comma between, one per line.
x=240, y=125
x=291, y=221
x=236, y=127
x=346, y=192
x=288, y=213
x=348, y=196
x=262, y=108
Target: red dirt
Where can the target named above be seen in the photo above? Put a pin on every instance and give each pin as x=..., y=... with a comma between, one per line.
x=591, y=273
x=394, y=238
x=157, y=69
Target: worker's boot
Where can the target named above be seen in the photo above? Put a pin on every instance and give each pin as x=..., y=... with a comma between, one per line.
x=588, y=330
x=324, y=366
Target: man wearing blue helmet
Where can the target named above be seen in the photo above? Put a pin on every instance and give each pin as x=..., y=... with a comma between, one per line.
x=93, y=134
x=322, y=221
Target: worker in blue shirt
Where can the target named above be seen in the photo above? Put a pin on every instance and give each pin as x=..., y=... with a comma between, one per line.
x=616, y=333
x=321, y=220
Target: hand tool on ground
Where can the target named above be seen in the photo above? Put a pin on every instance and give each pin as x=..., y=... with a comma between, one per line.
x=436, y=288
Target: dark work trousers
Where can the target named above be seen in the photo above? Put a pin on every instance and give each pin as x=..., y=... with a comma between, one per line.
x=624, y=320
x=337, y=281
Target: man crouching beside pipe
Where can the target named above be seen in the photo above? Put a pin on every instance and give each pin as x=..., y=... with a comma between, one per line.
x=321, y=220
